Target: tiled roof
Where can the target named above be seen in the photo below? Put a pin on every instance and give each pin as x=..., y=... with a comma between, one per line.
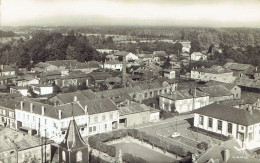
x=215, y=69
x=65, y=63
x=99, y=106
x=121, y=53
x=216, y=91
x=113, y=62
x=133, y=108
x=117, y=92
x=230, y=114
x=237, y=153
x=185, y=94
x=159, y=54
x=246, y=82
x=249, y=69
x=7, y=68
x=10, y=139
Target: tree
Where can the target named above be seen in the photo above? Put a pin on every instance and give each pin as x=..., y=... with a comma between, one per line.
x=195, y=46
x=167, y=63
x=177, y=48
x=210, y=50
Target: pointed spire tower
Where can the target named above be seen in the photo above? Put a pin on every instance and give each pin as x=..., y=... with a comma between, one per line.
x=73, y=148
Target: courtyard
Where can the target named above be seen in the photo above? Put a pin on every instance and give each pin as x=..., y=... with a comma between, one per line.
x=143, y=152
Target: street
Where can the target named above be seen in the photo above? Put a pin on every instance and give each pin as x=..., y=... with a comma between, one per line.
x=188, y=139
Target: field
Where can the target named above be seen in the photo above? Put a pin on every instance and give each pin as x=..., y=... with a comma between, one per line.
x=143, y=152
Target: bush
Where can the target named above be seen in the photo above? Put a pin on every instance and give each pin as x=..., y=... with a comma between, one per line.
x=203, y=145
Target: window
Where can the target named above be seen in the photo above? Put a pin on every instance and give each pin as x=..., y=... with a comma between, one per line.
x=94, y=128
x=111, y=116
x=79, y=156
x=210, y=122
x=104, y=117
x=90, y=129
x=241, y=127
x=219, y=125
x=201, y=120
x=229, y=127
x=96, y=119
x=145, y=95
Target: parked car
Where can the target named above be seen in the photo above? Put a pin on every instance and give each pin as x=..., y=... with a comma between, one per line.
x=175, y=134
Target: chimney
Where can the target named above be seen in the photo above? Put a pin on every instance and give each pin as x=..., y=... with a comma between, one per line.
x=124, y=72
x=86, y=109
x=43, y=110
x=22, y=105
x=31, y=107
x=226, y=155
x=75, y=99
x=59, y=114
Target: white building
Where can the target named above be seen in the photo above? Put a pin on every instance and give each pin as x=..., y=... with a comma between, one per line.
x=113, y=65
x=198, y=56
x=26, y=81
x=183, y=100
x=242, y=124
x=92, y=117
x=128, y=55
x=19, y=89
x=42, y=89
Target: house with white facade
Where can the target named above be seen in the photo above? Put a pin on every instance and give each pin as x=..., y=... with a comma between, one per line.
x=26, y=81
x=19, y=89
x=51, y=121
x=113, y=65
x=7, y=113
x=41, y=89
x=6, y=70
x=242, y=124
x=214, y=73
x=198, y=56
x=128, y=55
x=183, y=100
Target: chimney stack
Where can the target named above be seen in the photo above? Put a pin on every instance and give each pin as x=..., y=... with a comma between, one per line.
x=75, y=99
x=124, y=72
x=59, y=114
x=22, y=105
x=31, y=107
x=86, y=109
x=43, y=110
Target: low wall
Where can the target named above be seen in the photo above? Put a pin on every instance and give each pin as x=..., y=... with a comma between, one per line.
x=129, y=139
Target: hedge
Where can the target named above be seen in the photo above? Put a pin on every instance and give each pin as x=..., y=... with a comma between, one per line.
x=132, y=159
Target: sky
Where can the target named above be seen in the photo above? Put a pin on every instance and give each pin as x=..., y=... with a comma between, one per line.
x=226, y=13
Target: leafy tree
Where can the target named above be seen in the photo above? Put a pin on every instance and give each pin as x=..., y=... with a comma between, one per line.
x=167, y=63
x=195, y=46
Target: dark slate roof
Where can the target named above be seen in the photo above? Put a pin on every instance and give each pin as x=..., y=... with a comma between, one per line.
x=117, y=92
x=100, y=75
x=215, y=69
x=10, y=104
x=216, y=91
x=99, y=106
x=133, y=108
x=230, y=114
x=72, y=139
x=81, y=96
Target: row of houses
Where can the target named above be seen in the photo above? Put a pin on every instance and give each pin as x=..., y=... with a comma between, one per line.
x=187, y=100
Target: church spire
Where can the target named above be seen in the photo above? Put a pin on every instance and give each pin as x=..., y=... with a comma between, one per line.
x=72, y=139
